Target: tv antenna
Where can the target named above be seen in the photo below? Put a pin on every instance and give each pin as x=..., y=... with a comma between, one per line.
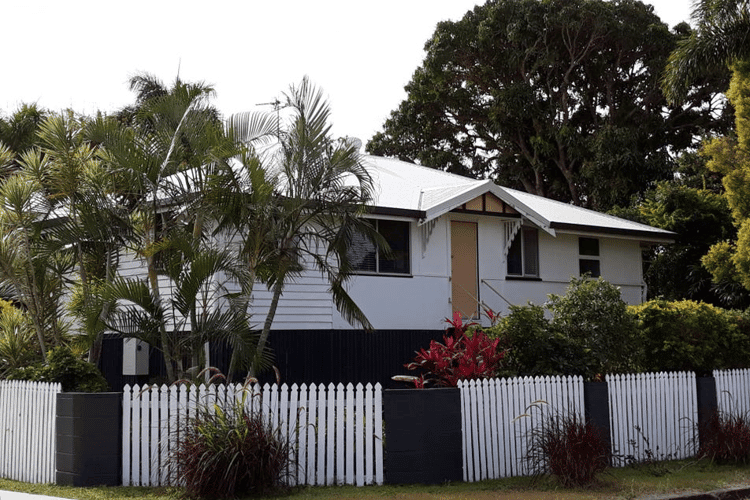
x=277, y=106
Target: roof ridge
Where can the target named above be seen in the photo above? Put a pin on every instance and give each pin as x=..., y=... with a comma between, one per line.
x=427, y=168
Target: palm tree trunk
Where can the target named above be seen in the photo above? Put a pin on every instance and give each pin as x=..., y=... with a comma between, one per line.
x=95, y=351
x=166, y=343
x=277, y=289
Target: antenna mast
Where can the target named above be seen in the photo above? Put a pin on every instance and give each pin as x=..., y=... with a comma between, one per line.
x=276, y=107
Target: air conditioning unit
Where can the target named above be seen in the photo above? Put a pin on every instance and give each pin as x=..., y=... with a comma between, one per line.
x=134, y=357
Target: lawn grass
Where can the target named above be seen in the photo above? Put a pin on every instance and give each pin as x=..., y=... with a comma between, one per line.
x=620, y=483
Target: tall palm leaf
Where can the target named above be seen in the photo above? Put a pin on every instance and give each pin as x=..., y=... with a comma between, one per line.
x=319, y=190
x=721, y=37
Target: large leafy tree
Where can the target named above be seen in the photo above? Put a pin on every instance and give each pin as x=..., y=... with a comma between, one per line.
x=694, y=206
x=720, y=42
x=559, y=98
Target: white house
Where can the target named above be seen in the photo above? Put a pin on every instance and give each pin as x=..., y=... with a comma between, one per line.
x=461, y=245
x=458, y=245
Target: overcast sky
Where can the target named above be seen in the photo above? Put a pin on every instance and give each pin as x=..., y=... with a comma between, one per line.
x=80, y=54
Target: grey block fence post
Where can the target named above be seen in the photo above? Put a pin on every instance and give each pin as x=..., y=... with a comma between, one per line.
x=89, y=438
x=422, y=436
x=596, y=408
x=705, y=388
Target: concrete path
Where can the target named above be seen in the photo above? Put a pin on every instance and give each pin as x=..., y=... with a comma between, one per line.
x=14, y=495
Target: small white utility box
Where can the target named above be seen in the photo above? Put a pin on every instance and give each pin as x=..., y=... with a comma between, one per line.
x=134, y=357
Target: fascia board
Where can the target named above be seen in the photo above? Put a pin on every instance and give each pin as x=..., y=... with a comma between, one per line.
x=456, y=201
x=480, y=189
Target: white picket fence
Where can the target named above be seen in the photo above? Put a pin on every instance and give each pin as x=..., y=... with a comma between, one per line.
x=27, y=422
x=498, y=414
x=733, y=391
x=335, y=432
x=653, y=413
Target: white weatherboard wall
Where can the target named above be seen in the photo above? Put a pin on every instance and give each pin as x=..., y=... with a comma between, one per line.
x=422, y=300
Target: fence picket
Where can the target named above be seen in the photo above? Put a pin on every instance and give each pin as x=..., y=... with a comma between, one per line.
x=340, y=408
x=321, y=435
x=312, y=406
x=331, y=434
x=349, y=476
x=369, y=435
x=302, y=426
x=27, y=421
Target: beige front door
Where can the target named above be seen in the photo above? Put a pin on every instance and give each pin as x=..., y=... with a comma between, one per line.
x=464, y=271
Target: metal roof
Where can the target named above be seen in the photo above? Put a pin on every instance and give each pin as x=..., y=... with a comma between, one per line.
x=414, y=189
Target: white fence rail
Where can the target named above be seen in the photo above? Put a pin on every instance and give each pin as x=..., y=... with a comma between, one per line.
x=497, y=418
x=733, y=391
x=27, y=422
x=335, y=432
x=653, y=415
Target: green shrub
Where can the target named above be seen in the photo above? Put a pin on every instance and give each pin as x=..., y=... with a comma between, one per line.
x=535, y=349
x=691, y=336
x=229, y=454
x=591, y=332
x=593, y=315
x=72, y=373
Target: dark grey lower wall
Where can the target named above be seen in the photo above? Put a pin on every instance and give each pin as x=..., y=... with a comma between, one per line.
x=304, y=356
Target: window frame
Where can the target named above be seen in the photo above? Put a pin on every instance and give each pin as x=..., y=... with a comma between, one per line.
x=522, y=232
x=377, y=259
x=586, y=253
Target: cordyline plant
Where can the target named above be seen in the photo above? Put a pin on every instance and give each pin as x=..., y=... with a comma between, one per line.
x=461, y=356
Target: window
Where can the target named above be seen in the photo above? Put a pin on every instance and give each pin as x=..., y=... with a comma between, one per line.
x=588, y=262
x=366, y=257
x=523, y=256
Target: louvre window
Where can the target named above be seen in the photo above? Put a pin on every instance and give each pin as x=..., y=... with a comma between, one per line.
x=366, y=257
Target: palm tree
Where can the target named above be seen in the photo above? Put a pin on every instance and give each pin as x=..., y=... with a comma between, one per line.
x=160, y=153
x=721, y=37
x=307, y=194
x=200, y=308
x=89, y=225
x=18, y=131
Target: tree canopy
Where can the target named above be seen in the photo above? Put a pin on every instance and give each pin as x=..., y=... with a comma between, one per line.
x=559, y=98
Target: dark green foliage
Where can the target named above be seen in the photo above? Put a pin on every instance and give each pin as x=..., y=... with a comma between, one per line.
x=593, y=315
x=72, y=373
x=693, y=336
x=230, y=453
x=727, y=438
x=591, y=333
x=535, y=348
x=569, y=449
x=692, y=205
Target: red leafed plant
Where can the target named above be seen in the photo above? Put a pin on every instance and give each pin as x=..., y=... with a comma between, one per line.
x=461, y=356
